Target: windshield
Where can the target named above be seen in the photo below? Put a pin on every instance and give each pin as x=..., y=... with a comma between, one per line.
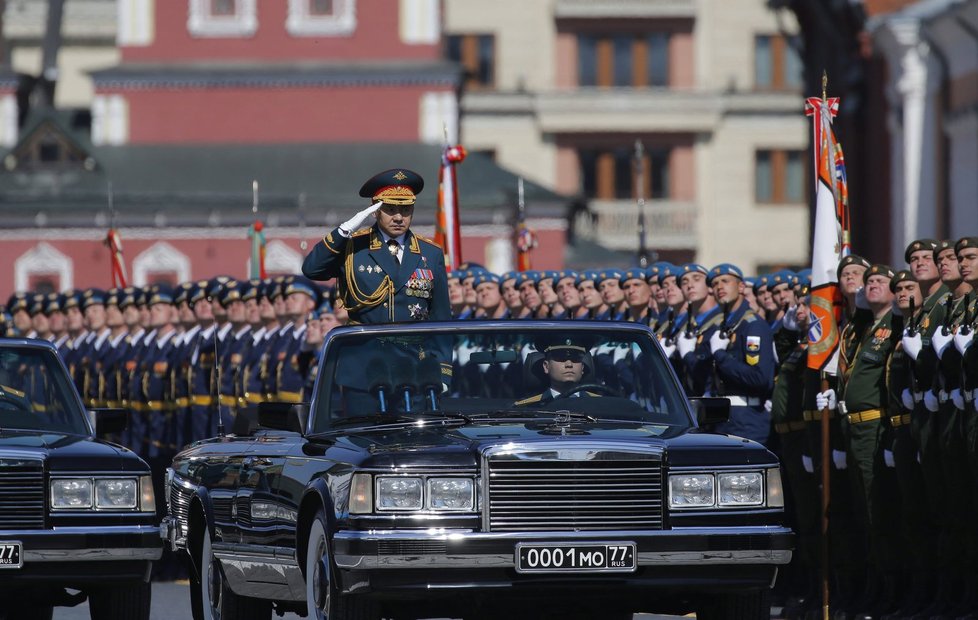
x=34, y=393
x=607, y=375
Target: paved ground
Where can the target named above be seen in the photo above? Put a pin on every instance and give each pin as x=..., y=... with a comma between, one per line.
x=171, y=601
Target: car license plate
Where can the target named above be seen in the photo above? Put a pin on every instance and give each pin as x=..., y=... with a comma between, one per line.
x=575, y=558
x=11, y=554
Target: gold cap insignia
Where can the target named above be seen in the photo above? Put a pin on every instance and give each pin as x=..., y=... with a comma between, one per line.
x=399, y=175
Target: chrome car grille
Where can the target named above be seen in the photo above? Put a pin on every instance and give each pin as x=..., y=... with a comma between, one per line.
x=22, y=493
x=180, y=503
x=575, y=495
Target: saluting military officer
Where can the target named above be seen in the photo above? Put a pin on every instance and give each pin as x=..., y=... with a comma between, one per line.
x=386, y=273
x=693, y=344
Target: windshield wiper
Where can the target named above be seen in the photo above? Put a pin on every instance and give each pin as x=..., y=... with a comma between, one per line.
x=557, y=416
x=400, y=418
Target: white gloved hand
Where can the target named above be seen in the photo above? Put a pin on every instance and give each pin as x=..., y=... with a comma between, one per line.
x=718, y=342
x=839, y=458
x=940, y=341
x=963, y=341
x=861, y=301
x=888, y=458
x=907, y=398
x=685, y=344
x=826, y=400
x=669, y=348
x=806, y=462
x=768, y=405
x=621, y=351
x=912, y=344
x=931, y=401
x=790, y=320
x=957, y=398
x=348, y=227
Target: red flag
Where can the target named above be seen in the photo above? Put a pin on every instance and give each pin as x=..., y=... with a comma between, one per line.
x=447, y=228
x=119, y=277
x=831, y=237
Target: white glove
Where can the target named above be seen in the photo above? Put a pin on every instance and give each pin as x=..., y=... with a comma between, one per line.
x=963, y=341
x=940, y=342
x=957, y=398
x=669, y=348
x=685, y=344
x=931, y=402
x=888, y=458
x=907, y=398
x=768, y=405
x=826, y=400
x=861, y=301
x=718, y=342
x=839, y=458
x=790, y=321
x=621, y=351
x=912, y=345
x=806, y=462
x=348, y=227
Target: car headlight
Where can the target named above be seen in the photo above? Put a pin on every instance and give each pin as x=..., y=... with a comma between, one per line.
x=740, y=489
x=115, y=494
x=147, y=496
x=451, y=493
x=71, y=493
x=399, y=493
x=775, y=493
x=692, y=491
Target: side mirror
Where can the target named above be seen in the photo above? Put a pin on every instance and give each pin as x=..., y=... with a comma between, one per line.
x=109, y=422
x=710, y=410
x=283, y=416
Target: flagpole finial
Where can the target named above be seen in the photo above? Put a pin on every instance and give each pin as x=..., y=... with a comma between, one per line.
x=254, y=196
x=444, y=128
x=825, y=84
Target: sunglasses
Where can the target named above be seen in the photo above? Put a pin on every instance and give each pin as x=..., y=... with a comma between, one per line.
x=565, y=355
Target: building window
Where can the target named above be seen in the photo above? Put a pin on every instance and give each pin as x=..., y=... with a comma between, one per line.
x=776, y=63
x=608, y=174
x=222, y=18
x=623, y=60
x=779, y=177
x=313, y=18
x=477, y=55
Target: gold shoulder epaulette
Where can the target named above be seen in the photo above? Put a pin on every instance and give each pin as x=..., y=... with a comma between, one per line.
x=428, y=241
x=361, y=232
x=17, y=393
x=529, y=401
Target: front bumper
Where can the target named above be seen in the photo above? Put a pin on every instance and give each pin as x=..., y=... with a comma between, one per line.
x=399, y=549
x=84, y=555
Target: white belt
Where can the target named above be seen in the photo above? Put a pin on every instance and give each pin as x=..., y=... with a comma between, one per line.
x=943, y=397
x=744, y=401
x=918, y=397
x=970, y=396
x=842, y=408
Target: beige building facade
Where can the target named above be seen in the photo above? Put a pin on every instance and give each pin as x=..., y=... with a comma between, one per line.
x=560, y=90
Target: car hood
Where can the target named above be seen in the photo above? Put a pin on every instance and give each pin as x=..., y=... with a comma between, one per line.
x=70, y=453
x=462, y=446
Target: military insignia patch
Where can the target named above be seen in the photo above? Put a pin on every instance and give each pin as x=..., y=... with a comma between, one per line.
x=418, y=312
x=400, y=176
x=753, y=360
x=362, y=269
x=753, y=344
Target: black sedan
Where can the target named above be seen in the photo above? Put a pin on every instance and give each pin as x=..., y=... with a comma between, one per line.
x=77, y=514
x=473, y=469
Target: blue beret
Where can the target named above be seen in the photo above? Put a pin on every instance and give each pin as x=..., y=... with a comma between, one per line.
x=455, y=274
x=669, y=271
x=549, y=274
x=302, y=284
x=692, y=268
x=566, y=273
x=471, y=272
x=586, y=276
x=160, y=294
x=485, y=276
x=608, y=274
x=725, y=269
x=509, y=275
x=779, y=277
x=635, y=273
x=527, y=276
x=92, y=297
x=654, y=271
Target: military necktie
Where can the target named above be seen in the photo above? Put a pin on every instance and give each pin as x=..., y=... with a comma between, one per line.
x=393, y=246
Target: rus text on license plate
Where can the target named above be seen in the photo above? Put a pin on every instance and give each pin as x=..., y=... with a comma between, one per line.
x=575, y=558
x=11, y=555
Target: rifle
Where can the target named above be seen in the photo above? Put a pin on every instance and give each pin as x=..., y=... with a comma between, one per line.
x=724, y=328
x=948, y=315
x=911, y=326
x=969, y=318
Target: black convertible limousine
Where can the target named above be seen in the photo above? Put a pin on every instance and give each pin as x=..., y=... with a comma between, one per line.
x=482, y=469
